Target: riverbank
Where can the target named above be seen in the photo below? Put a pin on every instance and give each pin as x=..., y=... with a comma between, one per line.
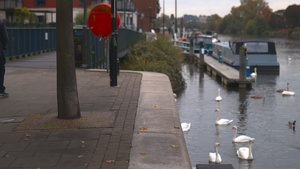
x=140, y=116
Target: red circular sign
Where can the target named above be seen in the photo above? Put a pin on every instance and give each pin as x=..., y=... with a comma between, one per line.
x=100, y=20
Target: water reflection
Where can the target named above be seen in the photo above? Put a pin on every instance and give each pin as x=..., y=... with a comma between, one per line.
x=201, y=77
x=242, y=108
x=245, y=164
x=217, y=131
x=191, y=70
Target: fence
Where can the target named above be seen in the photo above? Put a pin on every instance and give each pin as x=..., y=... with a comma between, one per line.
x=29, y=41
x=126, y=39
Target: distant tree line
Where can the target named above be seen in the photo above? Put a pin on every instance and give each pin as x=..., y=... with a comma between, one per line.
x=252, y=17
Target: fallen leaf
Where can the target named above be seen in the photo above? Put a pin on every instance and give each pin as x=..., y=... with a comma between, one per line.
x=27, y=135
x=172, y=131
x=143, y=153
x=144, y=128
x=154, y=106
x=82, y=141
x=80, y=156
x=26, y=139
x=175, y=146
x=138, y=133
x=83, y=146
x=110, y=161
x=127, y=161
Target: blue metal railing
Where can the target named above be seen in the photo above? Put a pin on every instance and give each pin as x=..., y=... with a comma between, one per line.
x=126, y=39
x=30, y=41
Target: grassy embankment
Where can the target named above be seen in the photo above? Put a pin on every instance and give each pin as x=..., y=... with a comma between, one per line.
x=157, y=56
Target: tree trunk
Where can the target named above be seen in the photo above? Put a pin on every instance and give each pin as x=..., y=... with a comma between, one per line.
x=67, y=96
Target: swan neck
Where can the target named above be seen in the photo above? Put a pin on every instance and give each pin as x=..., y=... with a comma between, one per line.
x=217, y=153
x=218, y=116
x=219, y=92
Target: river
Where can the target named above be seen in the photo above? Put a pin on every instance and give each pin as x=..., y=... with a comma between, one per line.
x=276, y=145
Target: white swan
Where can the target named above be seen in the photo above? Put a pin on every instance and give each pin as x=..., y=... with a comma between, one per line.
x=215, y=157
x=218, y=98
x=221, y=121
x=185, y=126
x=288, y=92
x=254, y=74
x=245, y=153
x=241, y=138
x=289, y=58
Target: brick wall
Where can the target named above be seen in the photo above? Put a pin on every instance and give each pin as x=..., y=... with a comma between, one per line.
x=148, y=8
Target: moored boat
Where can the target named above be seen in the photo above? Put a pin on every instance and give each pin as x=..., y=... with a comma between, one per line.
x=261, y=54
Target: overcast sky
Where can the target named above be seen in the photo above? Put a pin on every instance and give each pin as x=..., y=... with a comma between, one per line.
x=210, y=7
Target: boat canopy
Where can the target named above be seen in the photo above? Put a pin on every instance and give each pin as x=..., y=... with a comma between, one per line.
x=255, y=46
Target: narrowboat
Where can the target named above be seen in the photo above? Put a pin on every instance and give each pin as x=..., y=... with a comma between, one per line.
x=260, y=54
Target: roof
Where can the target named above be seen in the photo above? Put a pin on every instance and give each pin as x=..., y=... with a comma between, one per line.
x=253, y=40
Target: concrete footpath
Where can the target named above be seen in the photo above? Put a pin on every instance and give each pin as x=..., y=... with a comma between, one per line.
x=137, y=123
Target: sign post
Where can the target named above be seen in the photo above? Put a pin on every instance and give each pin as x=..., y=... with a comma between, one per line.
x=113, y=46
x=104, y=21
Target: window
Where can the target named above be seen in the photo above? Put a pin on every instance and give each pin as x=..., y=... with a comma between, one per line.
x=257, y=47
x=40, y=2
x=81, y=2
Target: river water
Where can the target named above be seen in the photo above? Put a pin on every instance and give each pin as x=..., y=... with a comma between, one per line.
x=276, y=145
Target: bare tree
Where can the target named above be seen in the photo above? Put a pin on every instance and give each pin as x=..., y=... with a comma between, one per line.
x=67, y=96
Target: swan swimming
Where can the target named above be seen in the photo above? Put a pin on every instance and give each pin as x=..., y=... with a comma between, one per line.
x=221, y=121
x=215, y=157
x=185, y=126
x=241, y=138
x=288, y=92
x=245, y=153
x=254, y=74
x=218, y=98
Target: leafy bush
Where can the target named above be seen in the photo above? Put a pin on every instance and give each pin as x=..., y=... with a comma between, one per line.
x=158, y=56
x=79, y=18
x=296, y=34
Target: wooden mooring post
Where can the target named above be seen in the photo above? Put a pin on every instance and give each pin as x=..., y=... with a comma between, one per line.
x=192, y=47
x=242, y=68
